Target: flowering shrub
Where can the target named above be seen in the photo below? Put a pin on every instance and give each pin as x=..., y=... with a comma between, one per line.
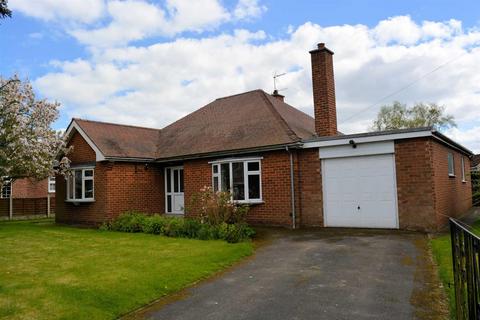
x=28, y=144
x=218, y=207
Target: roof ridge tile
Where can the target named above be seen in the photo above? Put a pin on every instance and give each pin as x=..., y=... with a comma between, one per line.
x=116, y=124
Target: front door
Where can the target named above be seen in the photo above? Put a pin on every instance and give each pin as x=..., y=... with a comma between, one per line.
x=174, y=200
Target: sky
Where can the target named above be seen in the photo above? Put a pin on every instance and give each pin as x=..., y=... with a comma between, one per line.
x=149, y=63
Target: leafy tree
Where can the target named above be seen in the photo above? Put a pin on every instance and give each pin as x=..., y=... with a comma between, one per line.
x=28, y=144
x=399, y=116
x=4, y=11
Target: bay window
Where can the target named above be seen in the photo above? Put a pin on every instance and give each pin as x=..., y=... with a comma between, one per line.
x=80, y=185
x=240, y=177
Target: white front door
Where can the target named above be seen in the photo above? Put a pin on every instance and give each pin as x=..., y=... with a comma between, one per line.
x=174, y=199
x=360, y=192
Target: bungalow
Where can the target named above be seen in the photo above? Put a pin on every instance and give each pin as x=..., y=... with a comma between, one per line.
x=291, y=169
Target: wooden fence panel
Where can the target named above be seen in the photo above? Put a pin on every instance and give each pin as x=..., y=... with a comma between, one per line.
x=27, y=207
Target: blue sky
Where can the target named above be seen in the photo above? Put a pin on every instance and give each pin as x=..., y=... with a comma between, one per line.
x=143, y=71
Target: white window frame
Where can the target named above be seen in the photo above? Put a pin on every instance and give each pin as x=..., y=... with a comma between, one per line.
x=51, y=182
x=463, y=169
x=246, y=173
x=450, y=156
x=7, y=184
x=71, y=175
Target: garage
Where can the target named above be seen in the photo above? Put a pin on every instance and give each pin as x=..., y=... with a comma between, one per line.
x=359, y=186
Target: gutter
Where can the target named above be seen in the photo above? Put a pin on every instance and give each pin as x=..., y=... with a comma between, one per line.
x=292, y=188
x=229, y=152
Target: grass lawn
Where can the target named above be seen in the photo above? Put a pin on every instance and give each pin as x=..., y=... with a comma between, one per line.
x=49, y=271
x=442, y=252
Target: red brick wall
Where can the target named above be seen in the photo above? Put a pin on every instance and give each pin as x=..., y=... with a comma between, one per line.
x=30, y=188
x=310, y=188
x=81, y=152
x=415, y=188
x=426, y=194
x=132, y=186
x=276, y=209
x=453, y=197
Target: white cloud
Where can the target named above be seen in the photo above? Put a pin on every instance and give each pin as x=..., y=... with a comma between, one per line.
x=246, y=9
x=194, y=15
x=468, y=137
x=401, y=29
x=84, y=11
x=155, y=85
x=133, y=20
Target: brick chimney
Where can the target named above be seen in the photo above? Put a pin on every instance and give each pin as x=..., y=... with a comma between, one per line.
x=324, y=91
x=278, y=95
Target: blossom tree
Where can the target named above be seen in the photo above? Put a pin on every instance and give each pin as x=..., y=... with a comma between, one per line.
x=28, y=145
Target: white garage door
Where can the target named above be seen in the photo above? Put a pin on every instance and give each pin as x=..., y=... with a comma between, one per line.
x=360, y=192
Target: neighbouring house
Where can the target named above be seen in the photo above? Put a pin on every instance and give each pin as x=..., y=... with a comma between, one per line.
x=291, y=169
x=476, y=162
x=30, y=197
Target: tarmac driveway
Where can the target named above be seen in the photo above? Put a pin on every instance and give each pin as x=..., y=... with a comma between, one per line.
x=319, y=274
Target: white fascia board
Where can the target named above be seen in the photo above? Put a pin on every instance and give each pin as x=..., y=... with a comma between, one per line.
x=235, y=159
x=367, y=139
x=361, y=149
x=74, y=125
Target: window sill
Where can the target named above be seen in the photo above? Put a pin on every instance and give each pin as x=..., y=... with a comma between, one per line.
x=81, y=201
x=250, y=202
x=451, y=175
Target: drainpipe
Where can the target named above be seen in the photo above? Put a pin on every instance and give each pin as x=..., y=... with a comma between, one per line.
x=292, y=187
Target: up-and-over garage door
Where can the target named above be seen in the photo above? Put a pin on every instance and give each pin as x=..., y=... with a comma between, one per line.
x=359, y=190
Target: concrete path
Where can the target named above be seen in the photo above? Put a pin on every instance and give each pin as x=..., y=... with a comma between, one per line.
x=319, y=274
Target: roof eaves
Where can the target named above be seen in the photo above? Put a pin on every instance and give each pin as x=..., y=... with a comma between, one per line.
x=451, y=142
x=229, y=152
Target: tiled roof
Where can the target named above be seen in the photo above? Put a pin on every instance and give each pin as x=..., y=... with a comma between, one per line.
x=249, y=120
x=121, y=141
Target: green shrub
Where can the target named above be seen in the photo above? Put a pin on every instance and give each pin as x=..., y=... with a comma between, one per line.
x=178, y=227
x=174, y=227
x=191, y=227
x=155, y=224
x=129, y=222
x=206, y=232
x=238, y=232
x=106, y=226
x=475, y=178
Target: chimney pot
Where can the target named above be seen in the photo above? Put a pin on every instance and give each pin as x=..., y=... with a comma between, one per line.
x=324, y=91
x=278, y=95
